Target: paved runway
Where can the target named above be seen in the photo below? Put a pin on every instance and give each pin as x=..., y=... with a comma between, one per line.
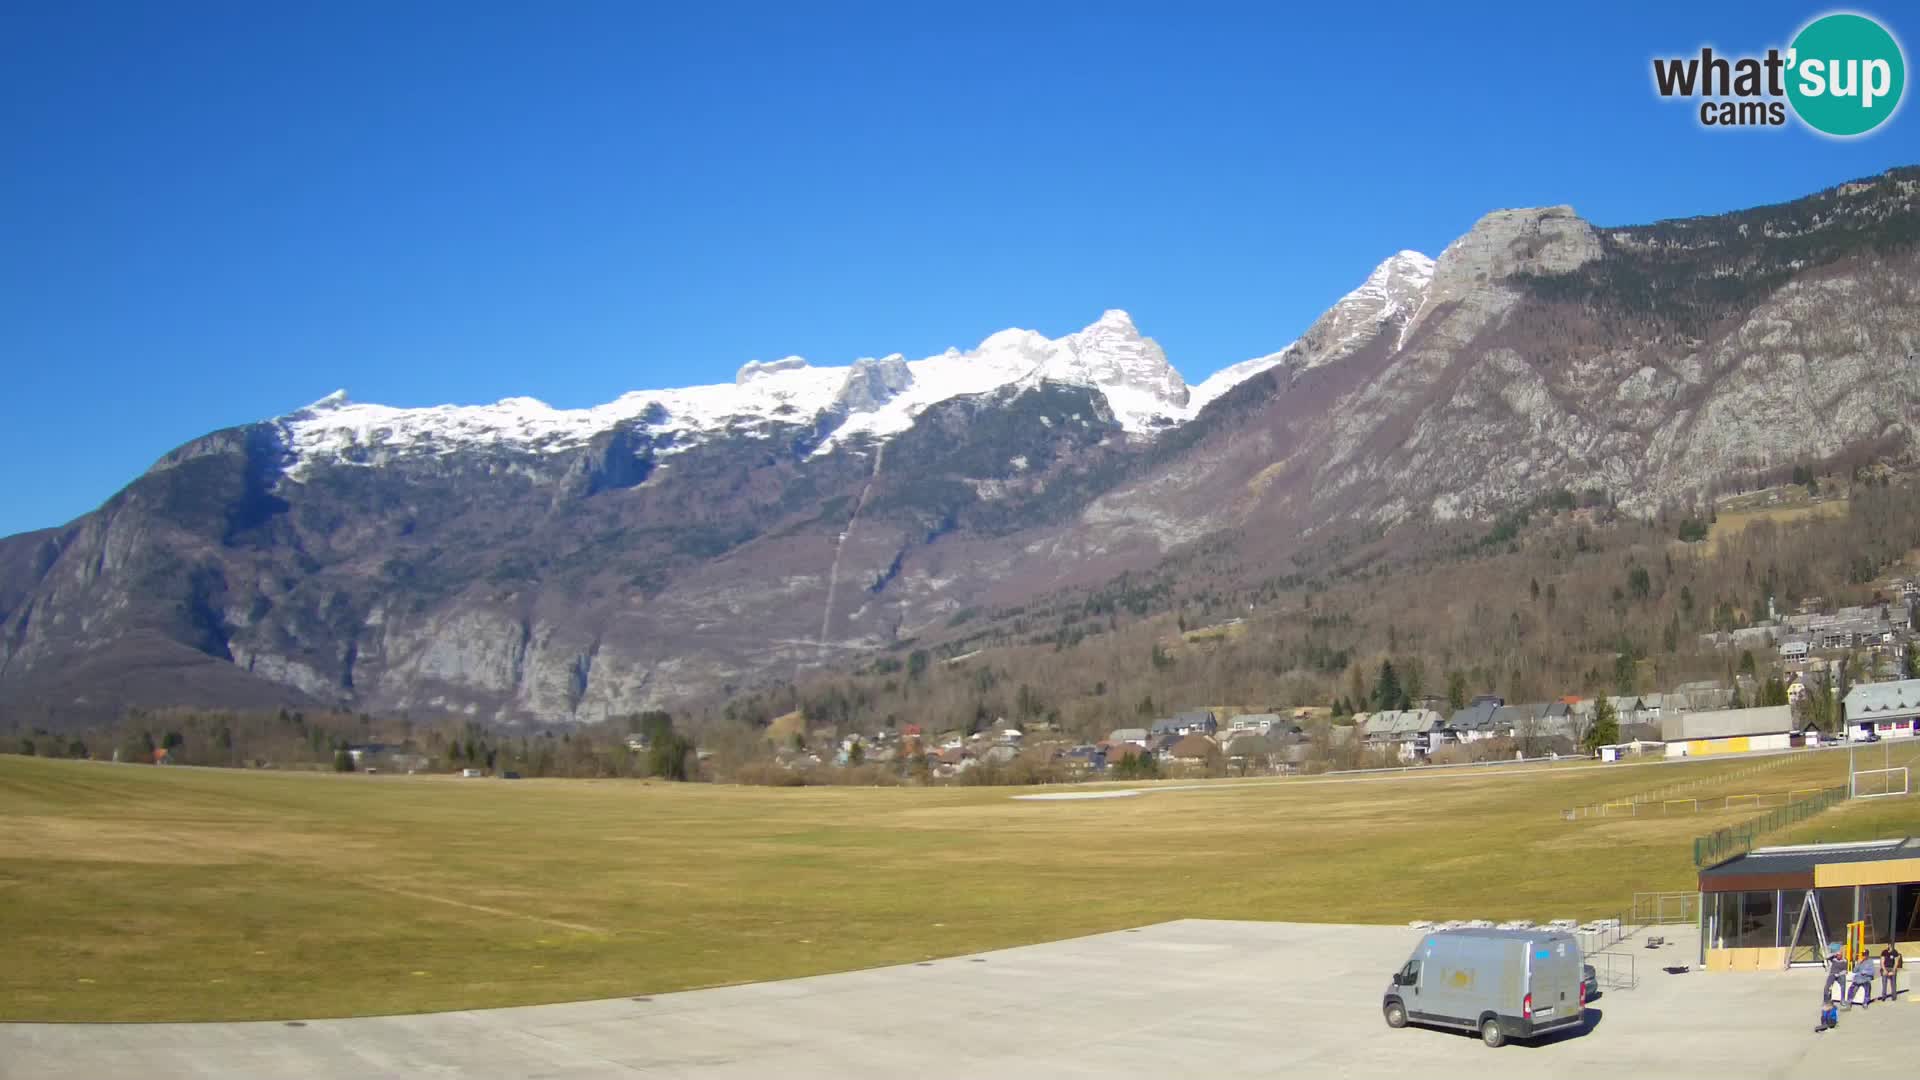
x=1189, y=998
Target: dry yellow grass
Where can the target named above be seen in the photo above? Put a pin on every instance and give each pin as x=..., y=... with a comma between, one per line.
x=1730, y=523
x=136, y=893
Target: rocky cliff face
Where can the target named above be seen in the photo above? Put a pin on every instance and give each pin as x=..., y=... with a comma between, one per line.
x=518, y=562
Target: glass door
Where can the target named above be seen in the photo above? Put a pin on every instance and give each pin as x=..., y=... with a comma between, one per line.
x=1806, y=938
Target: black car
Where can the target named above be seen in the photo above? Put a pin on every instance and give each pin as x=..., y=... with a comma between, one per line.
x=1589, y=981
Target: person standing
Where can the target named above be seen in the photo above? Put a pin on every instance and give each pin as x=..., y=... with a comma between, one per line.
x=1836, y=985
x=1890, y=960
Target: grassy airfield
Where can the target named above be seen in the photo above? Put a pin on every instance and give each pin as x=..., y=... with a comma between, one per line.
x=142, y=893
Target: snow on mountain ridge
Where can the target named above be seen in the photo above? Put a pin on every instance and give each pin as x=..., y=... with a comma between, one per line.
x=876, y=397
x=1395, y=288
x=871, y=397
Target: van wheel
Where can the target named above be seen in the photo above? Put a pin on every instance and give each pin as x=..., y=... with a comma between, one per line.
x=1491, y=1034
x=1396, y=1015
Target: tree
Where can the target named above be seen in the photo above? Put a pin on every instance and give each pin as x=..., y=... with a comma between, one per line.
x=1386, y=689
x=667, y=756
x=1456, y=690
x=655, y=723
x=136, y=747
x=857, y=753
x=1624, y=670
x=1816, y=707
x=1639, y=583
x=342, y=761
x=1605, y=729
x=1773, y=691
x=1413, y=684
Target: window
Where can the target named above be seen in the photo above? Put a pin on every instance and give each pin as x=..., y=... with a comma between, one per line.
x=1806, y=947
x=1723, y=913
x=1906, y=913
x=1756, y=929
x=1836, y=910
x=1876, y=908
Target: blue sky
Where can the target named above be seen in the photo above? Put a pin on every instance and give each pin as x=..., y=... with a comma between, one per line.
x=215, y=213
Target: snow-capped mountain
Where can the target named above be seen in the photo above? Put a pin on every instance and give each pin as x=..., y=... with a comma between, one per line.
x=517, y=561
x=872, y=398
x=1396, y=289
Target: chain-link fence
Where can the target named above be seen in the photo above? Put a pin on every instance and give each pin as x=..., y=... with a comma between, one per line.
x=1722, y=844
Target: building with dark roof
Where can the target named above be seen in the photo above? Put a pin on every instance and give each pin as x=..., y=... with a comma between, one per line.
x=1775, y=907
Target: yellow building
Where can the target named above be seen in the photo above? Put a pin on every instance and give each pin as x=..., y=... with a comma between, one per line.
x=1780, y=906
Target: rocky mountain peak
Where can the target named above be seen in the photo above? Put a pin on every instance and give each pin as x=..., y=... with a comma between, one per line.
x=872, y=383
x=1113, y=355
x=1539, y=240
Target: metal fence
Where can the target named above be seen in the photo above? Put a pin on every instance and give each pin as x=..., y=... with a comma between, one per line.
x=1666, y=908
x=1652, y=801
x=1667, y=807
x=1723, y=844
x=1615, y=971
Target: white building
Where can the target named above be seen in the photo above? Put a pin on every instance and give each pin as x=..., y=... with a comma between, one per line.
x=1728, y=731
x=1890, y=710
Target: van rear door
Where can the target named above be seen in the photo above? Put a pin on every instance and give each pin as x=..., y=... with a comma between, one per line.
x=1554, y=976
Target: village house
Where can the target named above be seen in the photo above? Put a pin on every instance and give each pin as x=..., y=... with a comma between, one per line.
x=1192, y=750
x=1260, y=723
x=1080, y=760
x=1475, y=722
x=1411, y=734
x=1627, y=710
x=1192, y=722
x=1252, y=752
x=1890, y=710
x=1702, y=695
